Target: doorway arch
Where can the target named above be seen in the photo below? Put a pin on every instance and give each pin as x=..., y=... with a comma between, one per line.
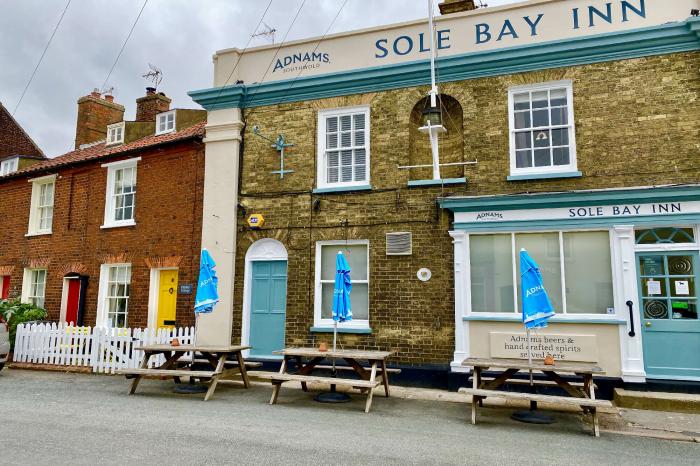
x=267, y=258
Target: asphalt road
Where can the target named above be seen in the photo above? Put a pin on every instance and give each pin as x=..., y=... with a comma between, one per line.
x=54, y=418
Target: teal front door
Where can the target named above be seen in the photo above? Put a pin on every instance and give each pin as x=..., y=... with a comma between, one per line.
x=268, y=305
x=670, y=324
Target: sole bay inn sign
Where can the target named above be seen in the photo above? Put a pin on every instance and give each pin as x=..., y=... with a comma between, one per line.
x=520, y=24
x=588, y=212
x=581, y=348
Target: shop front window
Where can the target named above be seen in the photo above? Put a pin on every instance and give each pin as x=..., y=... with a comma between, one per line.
x=576, y=269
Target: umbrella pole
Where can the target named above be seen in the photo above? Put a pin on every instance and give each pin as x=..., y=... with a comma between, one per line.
x=335, y=339
x=533, y=404
x=333, y=396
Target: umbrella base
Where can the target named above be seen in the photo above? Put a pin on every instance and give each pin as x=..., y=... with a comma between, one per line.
x=532, y=417
x=332, y=397
x=189, y=389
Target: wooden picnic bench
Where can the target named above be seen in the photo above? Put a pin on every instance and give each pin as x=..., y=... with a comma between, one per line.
x=581, y=394
x=309, y=359
x=215, y=355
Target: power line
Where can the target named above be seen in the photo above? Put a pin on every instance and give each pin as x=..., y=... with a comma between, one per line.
x=42, y=57
x=244, y=49
x=133, y=26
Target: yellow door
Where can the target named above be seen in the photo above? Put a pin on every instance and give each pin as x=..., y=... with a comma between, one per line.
x=167, y=298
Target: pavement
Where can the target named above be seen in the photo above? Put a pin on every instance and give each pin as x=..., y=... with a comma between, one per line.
x=65, y=418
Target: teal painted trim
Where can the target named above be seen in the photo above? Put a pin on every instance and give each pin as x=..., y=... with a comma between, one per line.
x=554, y=320
x=342, y=189
x=560, y=224
x=677, y=37
x=359, y=331
x=572, y=199
x=545, y=176
x=442, y=182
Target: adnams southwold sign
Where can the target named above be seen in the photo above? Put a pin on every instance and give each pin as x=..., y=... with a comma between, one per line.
x=524, y=23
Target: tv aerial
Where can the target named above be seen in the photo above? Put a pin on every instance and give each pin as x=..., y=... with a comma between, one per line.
x=267, y=31
x=155, y=75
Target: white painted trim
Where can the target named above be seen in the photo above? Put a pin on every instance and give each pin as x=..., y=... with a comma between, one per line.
x=165, y=116
x=462, y=294
x=34, y=220
x=321, y=146
x=101, y=319
x=109, y=193
x=64, y=297
x=154, y=294
x=572, y=166
x=318, y=299
x=266, y=249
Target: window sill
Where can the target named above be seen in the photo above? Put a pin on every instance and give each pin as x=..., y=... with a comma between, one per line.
x=38, y=233
x=361, y=331
x=442, y=182
x=545, y=176
x=118, y=225
x=553, y=320
x=342, y=189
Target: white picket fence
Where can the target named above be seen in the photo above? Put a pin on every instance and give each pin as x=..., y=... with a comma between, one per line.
x=103, y=349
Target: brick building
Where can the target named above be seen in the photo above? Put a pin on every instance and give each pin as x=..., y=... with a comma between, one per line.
x=81, y=241
x=572, y=129
x=17, y=149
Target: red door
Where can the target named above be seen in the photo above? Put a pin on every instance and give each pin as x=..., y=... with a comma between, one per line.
x=72, y=301
x=5, y=292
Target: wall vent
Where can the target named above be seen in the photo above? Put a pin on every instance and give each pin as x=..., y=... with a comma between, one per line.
x=399, y=244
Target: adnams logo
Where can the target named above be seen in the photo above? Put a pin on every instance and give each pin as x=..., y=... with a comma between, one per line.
x=301, y=61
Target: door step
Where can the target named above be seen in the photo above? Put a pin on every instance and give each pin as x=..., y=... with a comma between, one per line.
x=657, y=401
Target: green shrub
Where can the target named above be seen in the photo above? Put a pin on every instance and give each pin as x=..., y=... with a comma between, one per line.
x=15, y=312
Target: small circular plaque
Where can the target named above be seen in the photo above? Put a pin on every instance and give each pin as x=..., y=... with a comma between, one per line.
x=424, y=274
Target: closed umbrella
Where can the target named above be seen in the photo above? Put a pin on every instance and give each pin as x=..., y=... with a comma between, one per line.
x=342, y=312
x=537, y=310
x=206, y=298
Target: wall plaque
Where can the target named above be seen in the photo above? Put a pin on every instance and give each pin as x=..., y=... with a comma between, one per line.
x=582, y=348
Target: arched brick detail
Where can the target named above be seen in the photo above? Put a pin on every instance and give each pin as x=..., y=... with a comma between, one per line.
x=163, y=262
x=122, y=258
x=74, y=267
x=7, y=269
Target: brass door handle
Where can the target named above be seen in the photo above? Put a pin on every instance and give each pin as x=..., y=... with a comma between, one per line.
x=647, y=324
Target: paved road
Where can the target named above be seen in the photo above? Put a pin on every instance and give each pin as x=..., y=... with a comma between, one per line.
x=54, y=418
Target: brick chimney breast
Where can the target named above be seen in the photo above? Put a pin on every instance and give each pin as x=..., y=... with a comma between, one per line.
x=94, y=114
x=151, y=104
x=456, y=6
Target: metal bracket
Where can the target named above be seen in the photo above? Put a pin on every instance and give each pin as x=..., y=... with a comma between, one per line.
x=279, y=145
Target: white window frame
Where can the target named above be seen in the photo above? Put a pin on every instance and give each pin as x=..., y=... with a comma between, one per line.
x=115, y=133
x=560, y=316
x=29, y=282
x=318, y=297
x=9, y=166
x=36, y=208
x=164, y=117
x=103, y=294
x=552, y=169
x=321, y=182
x=110, y=205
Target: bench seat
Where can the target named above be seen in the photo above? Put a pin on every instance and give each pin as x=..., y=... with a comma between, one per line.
x=389, y=370
x=279, y=378
x=537, y=382
x=167, y=373
x=567, y=400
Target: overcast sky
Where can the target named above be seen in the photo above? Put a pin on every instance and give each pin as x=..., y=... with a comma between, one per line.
x=179, y=36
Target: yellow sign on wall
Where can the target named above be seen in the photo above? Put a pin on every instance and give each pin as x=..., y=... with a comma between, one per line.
x=256, y=220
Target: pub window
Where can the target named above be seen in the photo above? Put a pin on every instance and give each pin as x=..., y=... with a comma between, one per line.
x=576, y=269
x=668, y=235
x=343, y=147
x=542, y=136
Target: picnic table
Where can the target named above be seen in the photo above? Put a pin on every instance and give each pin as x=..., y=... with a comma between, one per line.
x=310, y=359
x=215, y=355
x=581, y=393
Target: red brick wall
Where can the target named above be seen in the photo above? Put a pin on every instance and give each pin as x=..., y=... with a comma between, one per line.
x=168, y=224
x=13, y=140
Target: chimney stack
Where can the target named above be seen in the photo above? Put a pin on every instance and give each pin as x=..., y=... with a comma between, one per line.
x=151, y=104
x=94, y=114
x=456, y=6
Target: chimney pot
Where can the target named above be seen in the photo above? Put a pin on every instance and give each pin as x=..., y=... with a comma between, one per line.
x=150, y=90
x=95, y=93
x=109, y=98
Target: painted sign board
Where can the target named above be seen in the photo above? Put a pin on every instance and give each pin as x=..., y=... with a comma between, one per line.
x=185, y=289
x=582, y=348
x=524, y=23
x=581, y=213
